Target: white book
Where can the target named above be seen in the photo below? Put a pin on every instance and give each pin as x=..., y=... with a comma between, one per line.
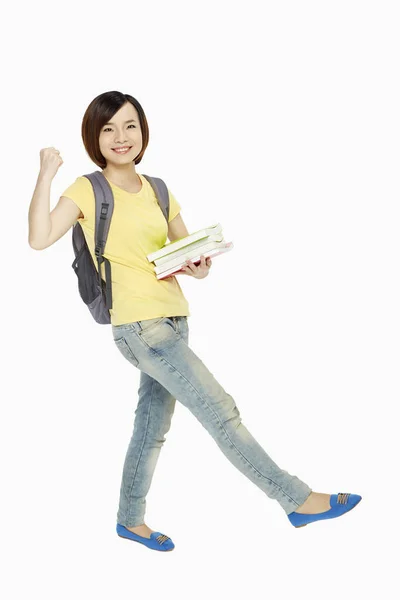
x=225, y=247
x=218, y=237
x=189, y=254
x=185, y=241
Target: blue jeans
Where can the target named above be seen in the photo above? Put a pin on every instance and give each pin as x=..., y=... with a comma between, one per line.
x=171, y=371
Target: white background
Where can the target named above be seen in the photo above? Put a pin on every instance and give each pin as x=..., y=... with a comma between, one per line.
x=280, y=120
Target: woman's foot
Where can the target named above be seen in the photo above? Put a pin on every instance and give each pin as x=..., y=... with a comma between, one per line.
x=141, y=530
x=318, y=507
x=315, y=503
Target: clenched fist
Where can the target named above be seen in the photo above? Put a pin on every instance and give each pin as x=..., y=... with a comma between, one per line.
x=50, y=161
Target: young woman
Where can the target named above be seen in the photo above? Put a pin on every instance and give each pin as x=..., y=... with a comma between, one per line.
x=149, y=320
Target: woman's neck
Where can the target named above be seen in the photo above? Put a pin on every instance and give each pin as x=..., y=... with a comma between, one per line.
x=123, y=177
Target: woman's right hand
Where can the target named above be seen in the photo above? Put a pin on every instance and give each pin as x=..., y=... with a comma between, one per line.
x=50, y=161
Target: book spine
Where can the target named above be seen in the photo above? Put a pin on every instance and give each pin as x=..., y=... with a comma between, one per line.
x=194, y=237
x=180, y=260
x=211, y=253
x=171, y=247
x=189, y=248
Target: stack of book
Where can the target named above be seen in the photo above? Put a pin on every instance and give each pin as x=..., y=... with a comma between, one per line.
x=206, y=242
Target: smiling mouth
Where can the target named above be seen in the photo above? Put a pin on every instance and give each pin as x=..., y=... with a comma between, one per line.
x=122, y=150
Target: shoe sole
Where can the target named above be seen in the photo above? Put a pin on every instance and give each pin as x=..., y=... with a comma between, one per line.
x=131, y=540
x=297, y=526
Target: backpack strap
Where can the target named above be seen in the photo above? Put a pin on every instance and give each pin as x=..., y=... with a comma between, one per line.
x=104, y=210
x=161, y=192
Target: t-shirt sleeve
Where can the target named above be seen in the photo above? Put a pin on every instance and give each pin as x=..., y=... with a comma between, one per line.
x=174, y=206
x=82, y=194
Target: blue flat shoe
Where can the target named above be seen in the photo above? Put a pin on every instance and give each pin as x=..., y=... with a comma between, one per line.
x=340, y=504
x=157, y=540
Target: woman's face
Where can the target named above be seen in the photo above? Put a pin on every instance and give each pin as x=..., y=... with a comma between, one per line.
x=122, y=130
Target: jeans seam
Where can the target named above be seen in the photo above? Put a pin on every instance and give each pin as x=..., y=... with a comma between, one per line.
x=222, y=427
x=141, y=452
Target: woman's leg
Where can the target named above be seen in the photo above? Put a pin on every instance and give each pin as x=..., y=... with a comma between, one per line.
x=160, y=348
x=152, y=421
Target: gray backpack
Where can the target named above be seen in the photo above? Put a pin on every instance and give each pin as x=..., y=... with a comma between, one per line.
x=95, y=292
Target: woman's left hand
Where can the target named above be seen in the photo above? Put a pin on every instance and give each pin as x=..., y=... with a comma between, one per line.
x=199, y=271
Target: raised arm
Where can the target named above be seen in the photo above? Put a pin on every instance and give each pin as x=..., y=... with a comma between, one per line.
x=47, y=227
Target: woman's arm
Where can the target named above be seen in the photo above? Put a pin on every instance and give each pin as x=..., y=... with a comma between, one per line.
x=177, y=229
x=47, y=227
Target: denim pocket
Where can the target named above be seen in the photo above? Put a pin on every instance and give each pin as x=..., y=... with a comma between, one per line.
x=125, y=350
x=148, y=324
x=161, y=334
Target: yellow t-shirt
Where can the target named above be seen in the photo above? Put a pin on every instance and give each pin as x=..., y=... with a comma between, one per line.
x=138, y=227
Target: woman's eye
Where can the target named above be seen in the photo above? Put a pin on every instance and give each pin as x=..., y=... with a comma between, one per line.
x=107, y=128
